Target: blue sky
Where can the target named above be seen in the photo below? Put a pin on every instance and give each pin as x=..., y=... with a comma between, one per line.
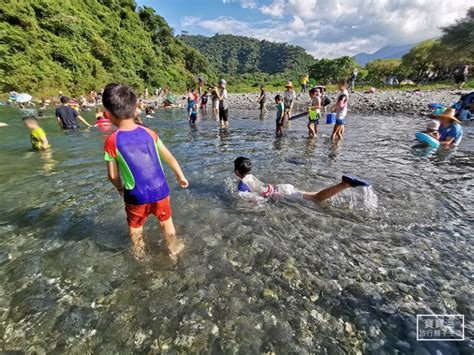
x=325, y=28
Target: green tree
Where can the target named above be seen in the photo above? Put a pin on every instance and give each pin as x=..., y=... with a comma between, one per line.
x=236, y=55
x=379, y=70
x=460, y=36
x=328, y=71
x=418, y=61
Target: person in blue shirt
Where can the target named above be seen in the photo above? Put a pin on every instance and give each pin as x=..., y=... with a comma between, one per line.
x=465, y=114
x=450, y=131
x=280, y=107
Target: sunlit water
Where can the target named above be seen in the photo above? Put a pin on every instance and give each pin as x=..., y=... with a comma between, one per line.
x=345, y=276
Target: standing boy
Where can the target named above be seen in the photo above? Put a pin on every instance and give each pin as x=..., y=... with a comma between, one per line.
x=280, y=108
x=223, y=108
x=135, y=152
x=314, y=111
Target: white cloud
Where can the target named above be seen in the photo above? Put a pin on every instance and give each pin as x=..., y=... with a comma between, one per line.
x=276, y=8
x=338, y=27
x=246, y=4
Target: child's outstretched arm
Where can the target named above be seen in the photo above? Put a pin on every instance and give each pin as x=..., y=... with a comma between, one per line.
x=114, y=176
x=83, y=121
x=166, y=155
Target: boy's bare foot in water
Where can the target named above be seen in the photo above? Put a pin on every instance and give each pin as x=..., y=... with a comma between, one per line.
x=174, y=246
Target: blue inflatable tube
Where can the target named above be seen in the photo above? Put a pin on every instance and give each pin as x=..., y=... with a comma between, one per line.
x=427, y=139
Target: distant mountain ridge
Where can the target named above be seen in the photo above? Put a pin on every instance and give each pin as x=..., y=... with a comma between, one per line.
x=384, y=53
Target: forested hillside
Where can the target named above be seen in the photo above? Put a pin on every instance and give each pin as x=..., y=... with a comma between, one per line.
x=79, y=45
x=234, y=55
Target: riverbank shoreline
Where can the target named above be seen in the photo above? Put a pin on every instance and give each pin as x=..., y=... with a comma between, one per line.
x=383, y=102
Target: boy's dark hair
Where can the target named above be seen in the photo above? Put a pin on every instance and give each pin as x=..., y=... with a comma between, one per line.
x=64, y=99
x=342, y=82
x=120, y=100
x=278, y=98
x=242, y=165
x=30, y=117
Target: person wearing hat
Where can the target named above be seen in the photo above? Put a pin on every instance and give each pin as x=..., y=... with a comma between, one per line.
x=67, y=117
x=289, y=96
x=450, y=131
x=223, y=108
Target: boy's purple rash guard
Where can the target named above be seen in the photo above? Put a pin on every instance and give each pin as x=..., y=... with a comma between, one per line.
x=137, y=155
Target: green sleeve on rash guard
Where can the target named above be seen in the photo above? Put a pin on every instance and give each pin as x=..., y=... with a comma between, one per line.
x=107, y=157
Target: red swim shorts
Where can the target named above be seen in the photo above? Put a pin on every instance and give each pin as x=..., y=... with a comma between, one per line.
x=138, y=214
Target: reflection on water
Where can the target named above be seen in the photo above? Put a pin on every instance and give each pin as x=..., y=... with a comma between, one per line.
x=257, y=276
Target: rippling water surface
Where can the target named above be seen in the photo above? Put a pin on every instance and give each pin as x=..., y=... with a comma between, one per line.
x=340, y=277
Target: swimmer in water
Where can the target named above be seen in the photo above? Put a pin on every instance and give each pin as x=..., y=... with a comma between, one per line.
x=133, y=154
x=249, y=183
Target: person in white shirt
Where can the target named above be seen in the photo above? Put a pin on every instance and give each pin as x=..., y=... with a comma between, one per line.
x=340, y=108
x=250, y=184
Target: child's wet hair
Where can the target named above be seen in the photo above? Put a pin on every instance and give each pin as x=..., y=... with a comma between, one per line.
x=120, y=100
x=30, y=118
x=242, y=165
x=278, y=98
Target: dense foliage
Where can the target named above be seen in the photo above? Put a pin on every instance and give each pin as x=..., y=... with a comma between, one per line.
x=460, y=36
x=328, y=71
x=233, y=55
x=79, y=45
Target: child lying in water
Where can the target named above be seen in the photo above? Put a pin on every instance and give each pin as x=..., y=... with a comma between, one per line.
x=249, y=183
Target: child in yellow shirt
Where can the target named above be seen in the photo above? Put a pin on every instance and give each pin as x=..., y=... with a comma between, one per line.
x=38, y=137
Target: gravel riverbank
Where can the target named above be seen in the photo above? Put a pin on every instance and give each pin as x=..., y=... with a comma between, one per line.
x=384, y=102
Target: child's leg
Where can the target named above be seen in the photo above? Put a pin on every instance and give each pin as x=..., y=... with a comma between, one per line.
x=310, y=130
x=326, y=193
x=334, y=131
x=316, y=124
x=138, y=242
x=341, y=132
x=172, y=243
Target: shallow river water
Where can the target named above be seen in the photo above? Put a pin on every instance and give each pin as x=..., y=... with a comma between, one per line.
x=346, y=276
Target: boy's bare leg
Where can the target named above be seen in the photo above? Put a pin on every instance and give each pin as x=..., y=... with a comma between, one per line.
x=326, y=193
x=173, y=245
x=138, y=242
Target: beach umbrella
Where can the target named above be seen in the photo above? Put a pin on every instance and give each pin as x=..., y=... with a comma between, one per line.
x=20, y=98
